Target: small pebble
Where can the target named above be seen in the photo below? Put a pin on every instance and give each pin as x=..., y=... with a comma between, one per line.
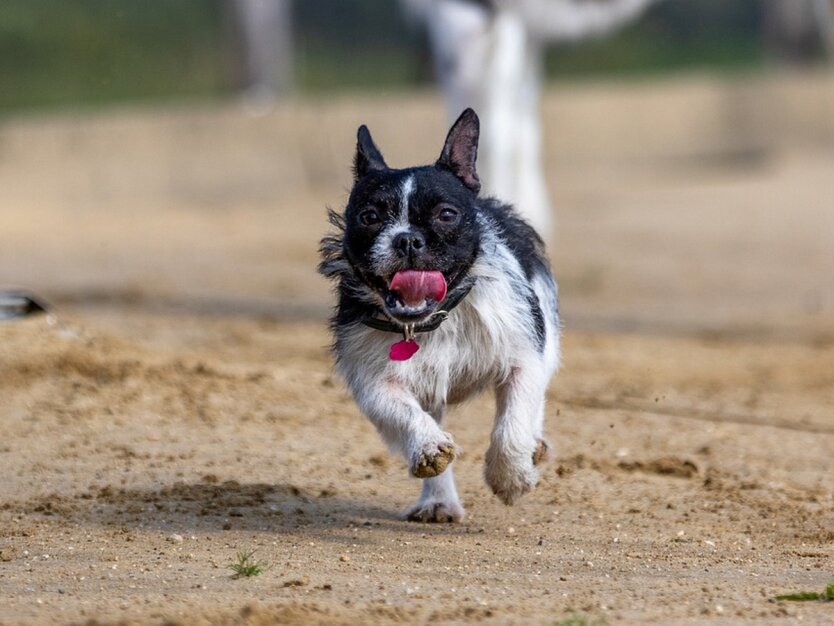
x=344, y=558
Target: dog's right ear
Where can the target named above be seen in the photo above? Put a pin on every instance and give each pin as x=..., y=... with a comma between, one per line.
x=368, y=157
x=460, y=152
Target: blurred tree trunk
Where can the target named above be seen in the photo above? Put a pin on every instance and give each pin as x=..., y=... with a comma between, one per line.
x=262, y=48
x=798, y=31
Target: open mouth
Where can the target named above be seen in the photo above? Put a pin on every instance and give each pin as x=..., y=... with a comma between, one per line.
x=414, y=294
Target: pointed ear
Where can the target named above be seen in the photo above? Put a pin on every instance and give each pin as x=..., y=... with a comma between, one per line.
x=368, y=157
x=461, y=150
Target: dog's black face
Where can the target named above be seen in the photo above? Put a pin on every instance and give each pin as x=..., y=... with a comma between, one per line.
x=411, y=235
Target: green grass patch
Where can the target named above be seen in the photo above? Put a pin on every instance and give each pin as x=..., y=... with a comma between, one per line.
x=810, y=596
x=91, y=52
x=55, y=53
x=245, y=565
x=631, y=55
x=581, y=620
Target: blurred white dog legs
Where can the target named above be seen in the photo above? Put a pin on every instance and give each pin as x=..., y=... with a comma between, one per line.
x=489, y=55
x=487, y=60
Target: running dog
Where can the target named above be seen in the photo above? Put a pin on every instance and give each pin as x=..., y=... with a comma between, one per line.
x=442, y=294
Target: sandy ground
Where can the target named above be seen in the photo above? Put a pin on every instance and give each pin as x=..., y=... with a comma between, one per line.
x=180, y=407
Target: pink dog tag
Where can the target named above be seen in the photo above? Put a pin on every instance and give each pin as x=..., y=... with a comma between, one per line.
x=403, y=350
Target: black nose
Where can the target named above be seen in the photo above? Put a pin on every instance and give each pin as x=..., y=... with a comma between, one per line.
x=409, y=243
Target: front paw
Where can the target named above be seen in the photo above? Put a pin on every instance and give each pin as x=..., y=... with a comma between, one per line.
x=510, y=475
x=432, y=459
x=434, y=511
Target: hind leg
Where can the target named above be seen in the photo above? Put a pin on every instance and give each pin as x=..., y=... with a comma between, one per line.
x=438, y=502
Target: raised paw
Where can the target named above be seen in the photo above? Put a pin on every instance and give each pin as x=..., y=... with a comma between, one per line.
x=510, y=476
x=433, y=459
x=434, y=511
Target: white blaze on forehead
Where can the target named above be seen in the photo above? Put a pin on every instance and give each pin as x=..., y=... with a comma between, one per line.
x=406, y=188
x=382, y=253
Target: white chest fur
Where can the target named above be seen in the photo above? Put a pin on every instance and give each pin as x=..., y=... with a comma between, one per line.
x=487, y=335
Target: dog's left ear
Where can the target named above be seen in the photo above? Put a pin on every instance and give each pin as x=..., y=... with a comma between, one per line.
x=461, y=150
x=367, y=157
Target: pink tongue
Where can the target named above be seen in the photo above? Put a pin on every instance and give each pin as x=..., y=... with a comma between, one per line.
x=413, y=286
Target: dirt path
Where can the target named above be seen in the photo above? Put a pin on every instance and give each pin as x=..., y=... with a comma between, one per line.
x=137, y=466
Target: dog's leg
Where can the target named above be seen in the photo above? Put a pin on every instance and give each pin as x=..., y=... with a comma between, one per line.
x=439, y=501
x=405, y=426
x=516, y=446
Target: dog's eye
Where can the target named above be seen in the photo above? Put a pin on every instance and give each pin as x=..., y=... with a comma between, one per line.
x=447, y=215
x=369, y=217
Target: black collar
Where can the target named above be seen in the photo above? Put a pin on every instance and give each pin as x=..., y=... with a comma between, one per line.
x=433, y=323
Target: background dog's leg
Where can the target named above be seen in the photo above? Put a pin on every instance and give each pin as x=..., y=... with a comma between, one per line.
x=515, y=442
x=404, y=425
x=531, y=195
x=461, y=38
x=486, y=60
x=511, y=162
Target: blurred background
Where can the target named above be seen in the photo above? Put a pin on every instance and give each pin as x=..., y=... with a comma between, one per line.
x=147, y=162
x=91, y=53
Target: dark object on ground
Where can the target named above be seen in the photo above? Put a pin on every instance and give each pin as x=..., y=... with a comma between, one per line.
x=15, y=304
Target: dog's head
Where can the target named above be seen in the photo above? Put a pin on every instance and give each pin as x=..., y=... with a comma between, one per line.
x=409, y=235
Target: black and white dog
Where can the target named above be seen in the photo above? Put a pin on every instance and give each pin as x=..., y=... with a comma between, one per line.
x=466, y=285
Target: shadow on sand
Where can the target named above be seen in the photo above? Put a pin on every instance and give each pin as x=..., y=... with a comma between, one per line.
x=211, y=506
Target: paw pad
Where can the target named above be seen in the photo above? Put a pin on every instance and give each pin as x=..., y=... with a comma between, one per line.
x=430, y=464
x=435, y=513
